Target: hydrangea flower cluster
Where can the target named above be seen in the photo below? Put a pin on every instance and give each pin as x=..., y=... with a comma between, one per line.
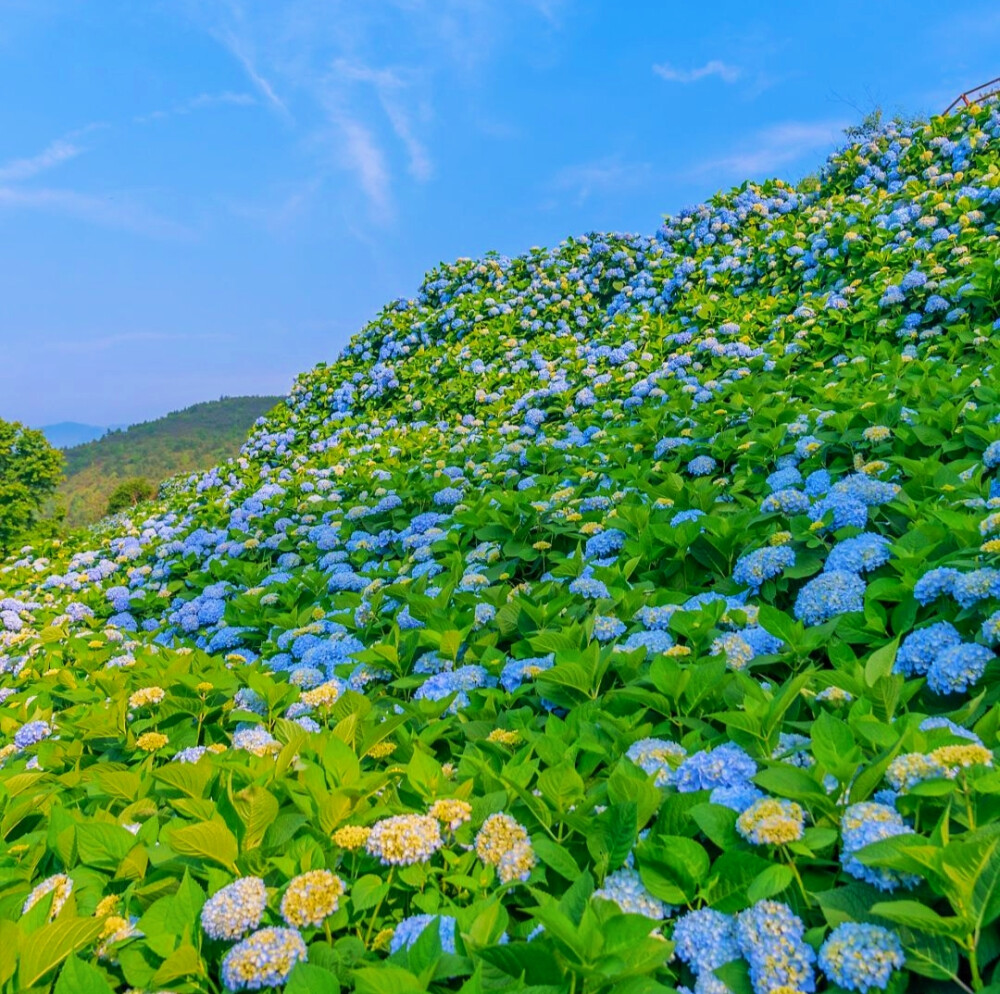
x=861, y=957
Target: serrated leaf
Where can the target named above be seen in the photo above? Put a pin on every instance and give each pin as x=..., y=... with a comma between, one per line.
x=206, y=840
x=51, y=944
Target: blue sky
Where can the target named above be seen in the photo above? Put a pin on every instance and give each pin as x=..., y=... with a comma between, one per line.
x=204, y=197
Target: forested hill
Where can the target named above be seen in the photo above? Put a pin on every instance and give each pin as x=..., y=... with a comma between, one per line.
x=195, y=438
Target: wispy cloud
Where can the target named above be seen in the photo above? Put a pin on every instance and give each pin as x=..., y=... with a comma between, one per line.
x=715, y=67
x=389, y=85
x=602, y=176
x=774, y=147
x=113, y=211
x=363, y=156
x=243, y=51
x=200, y=102
x=18, y=170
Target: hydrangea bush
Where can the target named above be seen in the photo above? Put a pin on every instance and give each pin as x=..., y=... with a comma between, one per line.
x=616, y=617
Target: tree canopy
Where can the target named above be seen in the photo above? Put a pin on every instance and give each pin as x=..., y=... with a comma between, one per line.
x=30, y=471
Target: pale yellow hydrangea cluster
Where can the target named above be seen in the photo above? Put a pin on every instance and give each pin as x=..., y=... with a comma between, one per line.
x=145, y=697
x=151, y=741
x=451, y=812
x=405, y=839
x=311, y=898
x=503, y=842
x=325, y=695
x=771, y=821
x=351, y=837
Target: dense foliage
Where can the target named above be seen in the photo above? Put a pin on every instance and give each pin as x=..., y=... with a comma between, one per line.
x=618, y=617
x=29, y=471
x=181, y=442
x=130, y=493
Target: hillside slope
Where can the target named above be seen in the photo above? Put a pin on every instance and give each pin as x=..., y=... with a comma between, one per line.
x=577, y=629
x=192, y=439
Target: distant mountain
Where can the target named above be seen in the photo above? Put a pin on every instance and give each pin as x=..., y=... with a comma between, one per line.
x=69, y=433
x=195, y=438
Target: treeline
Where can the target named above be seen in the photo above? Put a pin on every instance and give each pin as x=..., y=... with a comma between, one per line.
x=195, y=438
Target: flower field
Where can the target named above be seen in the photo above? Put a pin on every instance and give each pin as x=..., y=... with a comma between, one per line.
x=617, y=617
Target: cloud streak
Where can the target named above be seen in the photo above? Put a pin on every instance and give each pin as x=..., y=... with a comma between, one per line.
x=57, y=152
x=715, y=67
x=200, y=102
x=388, y=85
x=112, y=211
x=773, y=147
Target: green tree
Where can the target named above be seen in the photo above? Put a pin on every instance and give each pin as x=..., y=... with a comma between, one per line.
x=30, y=471
x=129, y=493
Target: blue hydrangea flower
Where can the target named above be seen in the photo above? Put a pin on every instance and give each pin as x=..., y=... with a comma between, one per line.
x=653, y=642
x=588, y=587
x=956, y=668
x=935, y=583
x=940, y=721
x=753, y=568
x=861, y=825
x=860, y=554
x=607, y=628
x=861, y=957
x=32, y=732
x=788, y=502
x=265, y=959
x=604, y=543
x=981, y=584
x=459, y=681
x=725, y=766
x=657, y=757
x=829, y=595
x=626, y=889
x=702, y=466
x=705, y=939
x=410, y=929
x=235, y=909
x=737, y=798
x=921, y=647
x=771, y=937
x=516, y=671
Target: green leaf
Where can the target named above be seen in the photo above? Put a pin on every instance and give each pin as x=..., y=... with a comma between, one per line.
x=103, y=845
x=833, y=743
x=555, y=856
x=880, y=662
x=206, y=840
x=367, y=891
x=78, y=977
x=532, y=960
x=561, y=785
x=386, y=979
x=257, y=809
x=184, y=961
x=932, y=956
x=736, y=976
x=918, y=915
x=309, y=979
x=52, y=943
x=718, y=823
x=972, y=866
x=772, y=881
x=616, y=832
